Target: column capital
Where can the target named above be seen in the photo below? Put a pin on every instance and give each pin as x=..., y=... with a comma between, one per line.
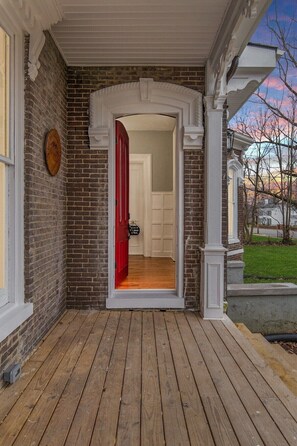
x=209, y=103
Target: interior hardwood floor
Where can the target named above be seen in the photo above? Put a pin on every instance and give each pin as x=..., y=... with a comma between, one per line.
x=146, y=378
x=149, y=273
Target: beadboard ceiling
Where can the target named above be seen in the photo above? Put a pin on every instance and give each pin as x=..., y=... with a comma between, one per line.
x=138, y=32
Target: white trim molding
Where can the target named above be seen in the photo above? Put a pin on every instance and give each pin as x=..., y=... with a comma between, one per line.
x=146, y=299
x=162, y=95
x=147, y=97
x=212, y=282
x=146, y=161
x=242, y=142
x=237, y=168
x=16, y=311
x=241, y=20
x=234, y=252
x=213, y=252
x=33, y=17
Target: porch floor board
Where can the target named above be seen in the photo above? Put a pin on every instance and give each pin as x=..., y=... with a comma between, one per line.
x=146, y=378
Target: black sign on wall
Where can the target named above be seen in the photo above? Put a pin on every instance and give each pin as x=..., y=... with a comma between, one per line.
x=134, y=229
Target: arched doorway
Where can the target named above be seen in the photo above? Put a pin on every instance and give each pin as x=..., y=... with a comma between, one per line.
x=147, y=97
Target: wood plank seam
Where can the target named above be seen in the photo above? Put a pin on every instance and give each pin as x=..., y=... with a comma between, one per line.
x=246, y=391
x=281, y=390
x=124, y=374
x=100, y=316
x=159, y=380
x=245, y=429
x=37, y=393
x=12, y=390
x=170, y=389
x=108, y=373
x=129, y=428
x=29, y=358
x=275, y=408
x=192, y=405
x=80, y=430
x=85, y=330
x=209, y=417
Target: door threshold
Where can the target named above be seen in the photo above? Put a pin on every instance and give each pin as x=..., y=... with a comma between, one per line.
x=145, y=299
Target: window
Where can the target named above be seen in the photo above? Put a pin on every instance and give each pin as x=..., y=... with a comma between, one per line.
x=5, y=161
x=234, y=175
x=13, y=310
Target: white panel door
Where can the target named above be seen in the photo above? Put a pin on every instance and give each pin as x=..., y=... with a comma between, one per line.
x=163, y=224
x=136, y=204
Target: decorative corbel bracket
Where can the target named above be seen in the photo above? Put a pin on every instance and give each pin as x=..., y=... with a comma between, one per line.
x=145, y=86
x=33, y=17
x=230, y=43
x=37, y=40
x=238, y=84
x=193, y=137
x=250, y=9
x=99, y=138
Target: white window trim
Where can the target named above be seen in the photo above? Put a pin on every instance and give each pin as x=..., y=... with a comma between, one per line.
x=16, y=311
x=237, y=168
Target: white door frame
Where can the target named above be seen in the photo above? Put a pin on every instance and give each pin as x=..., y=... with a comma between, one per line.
x=146, y=97
x=146, y=161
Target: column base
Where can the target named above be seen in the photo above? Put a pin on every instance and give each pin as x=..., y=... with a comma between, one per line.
x=212, y=282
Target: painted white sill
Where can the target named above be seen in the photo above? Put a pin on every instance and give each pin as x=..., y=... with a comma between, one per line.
x=12, y=316
x=233, y=241
x=145, y=299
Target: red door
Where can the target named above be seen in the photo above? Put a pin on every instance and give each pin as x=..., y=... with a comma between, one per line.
x=121, y=204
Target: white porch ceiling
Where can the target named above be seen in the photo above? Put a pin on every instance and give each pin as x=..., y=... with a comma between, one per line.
x=138, y=32
x=148, y=122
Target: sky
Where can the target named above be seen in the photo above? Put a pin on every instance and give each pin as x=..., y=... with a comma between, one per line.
x=286, y=9
x=287, y=17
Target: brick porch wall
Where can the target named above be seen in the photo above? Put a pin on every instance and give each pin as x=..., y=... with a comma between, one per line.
x=88, y=187
x=45, y=207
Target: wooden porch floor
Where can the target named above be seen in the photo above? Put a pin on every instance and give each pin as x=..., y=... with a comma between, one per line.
x=146, y=378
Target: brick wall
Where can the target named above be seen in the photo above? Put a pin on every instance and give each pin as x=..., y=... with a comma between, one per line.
x=45, y=207
x=88, y=186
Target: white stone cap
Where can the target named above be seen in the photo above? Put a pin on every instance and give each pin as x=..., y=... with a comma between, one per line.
x=262, y=289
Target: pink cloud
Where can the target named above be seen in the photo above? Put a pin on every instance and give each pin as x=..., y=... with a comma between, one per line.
x=274, y=82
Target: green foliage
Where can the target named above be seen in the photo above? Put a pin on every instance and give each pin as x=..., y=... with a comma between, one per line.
x=266, y=263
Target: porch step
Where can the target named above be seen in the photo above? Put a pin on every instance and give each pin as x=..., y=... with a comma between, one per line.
x=282, y=363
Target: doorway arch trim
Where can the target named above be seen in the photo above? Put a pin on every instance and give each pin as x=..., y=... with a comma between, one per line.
x=146, y=97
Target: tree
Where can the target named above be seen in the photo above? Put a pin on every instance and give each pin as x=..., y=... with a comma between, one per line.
x=271, y=164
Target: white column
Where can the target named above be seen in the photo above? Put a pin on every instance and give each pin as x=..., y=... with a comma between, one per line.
x=212, y=255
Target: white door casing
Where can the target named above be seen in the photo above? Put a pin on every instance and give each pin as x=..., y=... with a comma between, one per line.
x=147, y=96
x=140, y=191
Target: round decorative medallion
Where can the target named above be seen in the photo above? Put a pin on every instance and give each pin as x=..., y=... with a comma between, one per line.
x=53, y=152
